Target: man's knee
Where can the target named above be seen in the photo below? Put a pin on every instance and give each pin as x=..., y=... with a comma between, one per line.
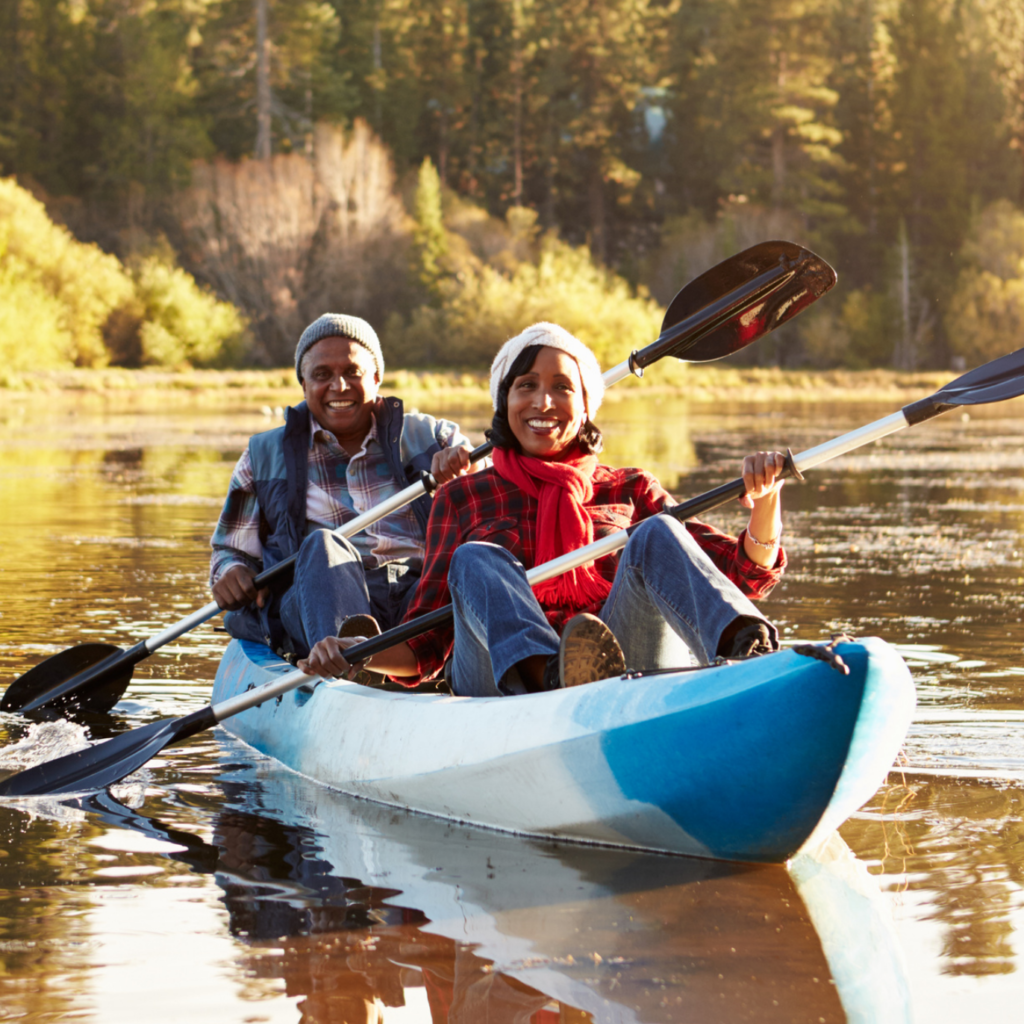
x=325, y=547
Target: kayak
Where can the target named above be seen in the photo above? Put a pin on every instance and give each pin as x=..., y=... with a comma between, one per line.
x=748, y=760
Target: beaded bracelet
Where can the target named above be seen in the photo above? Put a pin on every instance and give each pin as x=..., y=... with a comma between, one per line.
x=770, y=546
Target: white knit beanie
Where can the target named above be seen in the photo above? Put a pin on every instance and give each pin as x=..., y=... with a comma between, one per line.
x=338, y=325
x=552, y=336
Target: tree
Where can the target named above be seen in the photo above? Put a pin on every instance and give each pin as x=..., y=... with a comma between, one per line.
x=754, y=94
x=100, y=96
x=986, y=315
x=430, y=240
x=267, y=73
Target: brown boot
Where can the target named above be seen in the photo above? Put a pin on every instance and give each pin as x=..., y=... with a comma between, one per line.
x=362, y=625
x=359, y=625
x=588, y=651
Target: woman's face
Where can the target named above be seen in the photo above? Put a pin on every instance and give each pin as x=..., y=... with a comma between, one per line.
x=546, y=406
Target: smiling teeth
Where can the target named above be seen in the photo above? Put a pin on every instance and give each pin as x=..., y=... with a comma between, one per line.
x=543, y=424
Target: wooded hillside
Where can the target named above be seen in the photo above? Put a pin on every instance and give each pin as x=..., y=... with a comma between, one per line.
x=661, y=134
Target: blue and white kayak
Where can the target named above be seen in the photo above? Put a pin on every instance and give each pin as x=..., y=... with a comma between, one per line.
x=744, y=761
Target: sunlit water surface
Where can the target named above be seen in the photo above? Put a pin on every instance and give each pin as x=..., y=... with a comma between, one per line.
x=216, y=886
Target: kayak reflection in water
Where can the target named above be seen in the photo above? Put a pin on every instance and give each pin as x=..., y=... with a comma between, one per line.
x=676, y=592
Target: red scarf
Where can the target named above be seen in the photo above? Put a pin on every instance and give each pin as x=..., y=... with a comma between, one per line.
x=563, y=524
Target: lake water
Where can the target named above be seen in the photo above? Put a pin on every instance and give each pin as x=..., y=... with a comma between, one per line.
x=220, y=887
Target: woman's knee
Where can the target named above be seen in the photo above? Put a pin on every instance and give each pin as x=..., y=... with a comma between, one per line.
x=478, y=557
x=658, y=531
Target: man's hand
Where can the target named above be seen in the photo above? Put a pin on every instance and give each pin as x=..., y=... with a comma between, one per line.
x=449, y=463
x=235, y=589
x=327, y=658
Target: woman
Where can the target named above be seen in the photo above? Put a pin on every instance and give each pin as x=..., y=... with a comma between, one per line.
x=674, y=589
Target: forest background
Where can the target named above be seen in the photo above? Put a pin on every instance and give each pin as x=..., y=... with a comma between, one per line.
x=190, y=182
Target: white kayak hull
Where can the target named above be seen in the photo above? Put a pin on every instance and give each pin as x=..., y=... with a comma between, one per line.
x=745, y=761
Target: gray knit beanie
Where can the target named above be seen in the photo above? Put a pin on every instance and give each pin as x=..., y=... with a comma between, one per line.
x=552, y=336
x=338, y=325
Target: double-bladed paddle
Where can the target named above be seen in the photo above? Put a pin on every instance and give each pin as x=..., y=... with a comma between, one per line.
x=110, y=761
x=725, y=309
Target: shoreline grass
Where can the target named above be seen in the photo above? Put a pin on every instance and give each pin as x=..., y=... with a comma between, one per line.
x=134, y=389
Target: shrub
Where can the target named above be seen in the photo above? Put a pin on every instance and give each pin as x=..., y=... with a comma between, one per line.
x=522, y=281
x=986, y=314
x=856, y=335
x=183, y=323
x=33, y=335
x=64, y=303
x=83, y=286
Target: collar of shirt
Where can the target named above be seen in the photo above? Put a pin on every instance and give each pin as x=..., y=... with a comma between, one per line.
x=320, y=435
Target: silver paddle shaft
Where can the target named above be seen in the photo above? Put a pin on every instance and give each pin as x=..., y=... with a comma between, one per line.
x=848, y=442
x=805, y=460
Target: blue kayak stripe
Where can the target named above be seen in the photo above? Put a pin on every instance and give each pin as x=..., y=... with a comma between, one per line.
x=752, y=772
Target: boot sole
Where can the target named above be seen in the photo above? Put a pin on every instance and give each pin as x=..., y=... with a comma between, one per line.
x=588, y=652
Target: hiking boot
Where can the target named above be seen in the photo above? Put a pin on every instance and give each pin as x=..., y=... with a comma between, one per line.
x=366, y=626
x=749, y=641
x=359, y=625
x=588, y=651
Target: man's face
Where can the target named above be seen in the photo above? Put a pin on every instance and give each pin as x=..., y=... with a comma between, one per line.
x=340, y=383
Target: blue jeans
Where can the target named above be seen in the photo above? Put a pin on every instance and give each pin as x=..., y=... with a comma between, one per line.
x=330, y=584
x=668, y=605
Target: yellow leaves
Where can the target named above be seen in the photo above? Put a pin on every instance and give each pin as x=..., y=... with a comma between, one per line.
x=85, y=283
x=792, y=114
x=512, y=279
x=59, y=297
x=987, y=309
x=622, y=174
x=183, y=323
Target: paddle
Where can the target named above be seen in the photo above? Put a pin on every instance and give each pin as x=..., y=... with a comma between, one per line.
x=725, y=309
x=110, y=761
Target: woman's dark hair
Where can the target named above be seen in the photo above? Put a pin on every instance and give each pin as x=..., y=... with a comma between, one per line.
x=500, y=434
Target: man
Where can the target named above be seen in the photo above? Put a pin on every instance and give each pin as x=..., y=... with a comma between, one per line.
x=341, y=452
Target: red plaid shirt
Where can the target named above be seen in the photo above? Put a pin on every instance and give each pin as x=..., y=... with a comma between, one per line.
x=486, y=507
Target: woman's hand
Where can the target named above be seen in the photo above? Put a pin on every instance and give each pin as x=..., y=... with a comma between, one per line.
x=449, y=463
x=764, y=531
x=761, y=477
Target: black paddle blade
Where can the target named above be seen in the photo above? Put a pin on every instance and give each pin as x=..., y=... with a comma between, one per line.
x=99, y=766
x=94, y=768
x=997, y=381
x=740, y=300
x=44, y=684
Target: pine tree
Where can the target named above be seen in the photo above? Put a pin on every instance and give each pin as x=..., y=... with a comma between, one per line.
x=429, y=237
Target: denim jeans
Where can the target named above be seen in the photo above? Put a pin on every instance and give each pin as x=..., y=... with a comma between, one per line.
x=668, y=605
x=331, y=584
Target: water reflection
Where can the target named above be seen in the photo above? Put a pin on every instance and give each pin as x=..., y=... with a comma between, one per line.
x=352, y=905
x=959, y=843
